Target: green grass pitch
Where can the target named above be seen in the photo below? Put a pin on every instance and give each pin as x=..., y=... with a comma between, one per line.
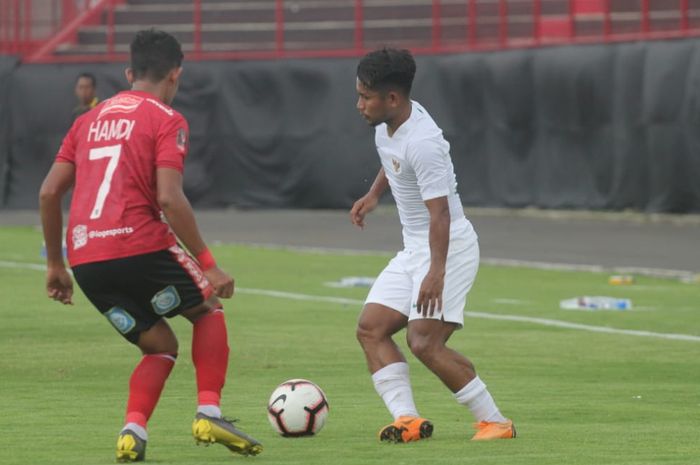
x=577, y=397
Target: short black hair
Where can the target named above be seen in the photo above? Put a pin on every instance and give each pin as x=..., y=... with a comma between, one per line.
x=154, y=54
x=90, y=76
x=387, y=69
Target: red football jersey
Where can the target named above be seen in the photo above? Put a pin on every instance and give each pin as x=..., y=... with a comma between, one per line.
x=116, y=148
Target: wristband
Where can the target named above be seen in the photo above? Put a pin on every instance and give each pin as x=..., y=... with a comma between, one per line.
x=206, y=260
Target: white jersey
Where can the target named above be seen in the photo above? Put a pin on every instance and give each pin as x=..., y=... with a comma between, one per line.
x=417, y=164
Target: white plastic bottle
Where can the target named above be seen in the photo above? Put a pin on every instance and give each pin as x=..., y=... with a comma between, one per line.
x=595, y=303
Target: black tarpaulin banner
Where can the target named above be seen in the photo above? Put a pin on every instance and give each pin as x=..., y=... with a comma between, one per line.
x=581, y=127
x=7, y=65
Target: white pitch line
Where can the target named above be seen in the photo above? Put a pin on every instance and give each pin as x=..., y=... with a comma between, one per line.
x=26, y=266
x=682, y=275
x=487, y=316
x=295, y=296
x=594, y=329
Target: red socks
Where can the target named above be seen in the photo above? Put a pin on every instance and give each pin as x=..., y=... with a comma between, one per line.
x=145, y=386
x=210, y=356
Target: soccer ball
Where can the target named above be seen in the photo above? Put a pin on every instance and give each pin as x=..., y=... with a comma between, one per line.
x=296, y=408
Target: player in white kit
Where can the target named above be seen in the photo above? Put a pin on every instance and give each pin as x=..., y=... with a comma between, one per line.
x=423, y=288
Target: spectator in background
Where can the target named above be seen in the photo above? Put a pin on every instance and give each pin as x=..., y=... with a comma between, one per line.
x=86, y=93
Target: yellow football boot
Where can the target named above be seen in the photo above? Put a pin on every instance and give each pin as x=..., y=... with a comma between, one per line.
x=209, y=430
x=130, y=447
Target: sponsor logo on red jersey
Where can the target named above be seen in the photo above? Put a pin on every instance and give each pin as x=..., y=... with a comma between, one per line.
x=122, y=103
x=181, y=141
x=80, y=236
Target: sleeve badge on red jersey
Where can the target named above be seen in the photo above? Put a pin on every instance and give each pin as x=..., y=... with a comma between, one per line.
x=181, y=139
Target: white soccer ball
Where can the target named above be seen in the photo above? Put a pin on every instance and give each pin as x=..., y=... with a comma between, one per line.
x=296, y=408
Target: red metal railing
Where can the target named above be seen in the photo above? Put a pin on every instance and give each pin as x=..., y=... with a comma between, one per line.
x=53, y=36
x=279, y=24
x=26, y=29
x=197, y=19
x=685, y=19
x=359, y=33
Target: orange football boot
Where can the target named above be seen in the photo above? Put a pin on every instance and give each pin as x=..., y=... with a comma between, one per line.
x=406, y=429
x=487, y=430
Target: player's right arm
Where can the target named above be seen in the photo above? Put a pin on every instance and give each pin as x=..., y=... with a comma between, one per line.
x=178, y=212
x=369, y=201
x=59, y=285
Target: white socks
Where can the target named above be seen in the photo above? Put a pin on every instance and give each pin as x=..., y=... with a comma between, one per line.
x=139, y=430
x=394, y=387
x=210, y=410
x=476, y=398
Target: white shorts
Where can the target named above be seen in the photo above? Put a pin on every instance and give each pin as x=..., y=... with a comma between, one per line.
x=398, y=285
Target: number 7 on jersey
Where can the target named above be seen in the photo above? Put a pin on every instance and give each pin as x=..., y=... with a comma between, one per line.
x=113, y=152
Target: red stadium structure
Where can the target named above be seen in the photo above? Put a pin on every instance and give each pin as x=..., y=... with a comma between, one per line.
x=99, y=30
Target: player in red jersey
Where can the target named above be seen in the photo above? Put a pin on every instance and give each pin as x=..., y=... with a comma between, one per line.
x=124, y=160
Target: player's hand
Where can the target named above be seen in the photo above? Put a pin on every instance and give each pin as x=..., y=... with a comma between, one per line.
x=59, y=285
x=221, y=282
x=361, y=207
x=430, y=296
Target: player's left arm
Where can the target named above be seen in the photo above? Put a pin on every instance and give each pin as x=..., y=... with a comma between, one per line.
x=178, y=212
x=430, y=295
x=429, y=158
x=171, y=149
x=59, y=285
